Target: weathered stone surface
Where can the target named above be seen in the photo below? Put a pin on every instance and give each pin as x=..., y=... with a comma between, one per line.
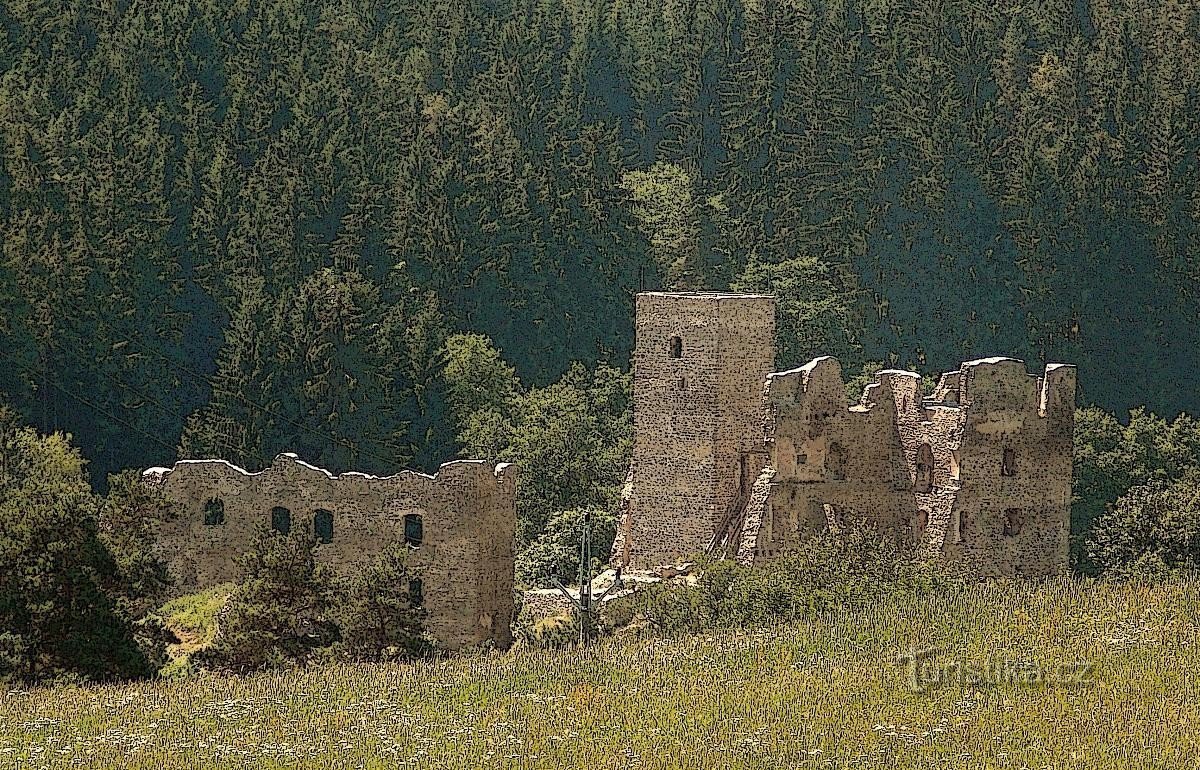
x=979, y=472
x=464, y=559
x=699, y=363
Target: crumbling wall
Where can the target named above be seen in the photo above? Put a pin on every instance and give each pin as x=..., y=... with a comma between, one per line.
x=979, y=473
x=464, y=558
x=699, y=363
x=833, y=464
x=1012, y=509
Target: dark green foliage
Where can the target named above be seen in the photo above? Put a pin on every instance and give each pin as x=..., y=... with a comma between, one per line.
x=215, y=241
x=281, y=613
x=75, y=584
x=1112, y=459
x=289, y=610
x=576, y=432
x=480, y=384
x=814, y=314
x=1152, y=528
x=833, y=569
x=555, y=552
x=377, y=614
x=127, y=520
x=214, y=238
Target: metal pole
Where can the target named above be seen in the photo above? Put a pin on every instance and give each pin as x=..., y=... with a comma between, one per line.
x=585, y=581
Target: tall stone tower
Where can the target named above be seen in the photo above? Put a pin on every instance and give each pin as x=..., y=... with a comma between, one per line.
x=700, y=362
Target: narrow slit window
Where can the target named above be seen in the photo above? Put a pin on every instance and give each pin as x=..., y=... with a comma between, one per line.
x=835, y=462
x=922, y=523
x=1012, y=522
x=416, y=592
x=924, y=469
x=1008, y=464
x=281, y=520
x=414, y=530
x=214, y=512
x=323, y=525
x=676, y=347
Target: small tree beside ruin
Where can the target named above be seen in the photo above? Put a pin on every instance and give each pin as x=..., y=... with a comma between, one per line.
x=281, y=613
x=379, y=611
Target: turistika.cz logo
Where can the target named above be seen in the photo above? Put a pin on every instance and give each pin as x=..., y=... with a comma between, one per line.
x=925, y=669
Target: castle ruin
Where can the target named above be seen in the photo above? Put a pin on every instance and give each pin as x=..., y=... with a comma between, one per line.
x=734, y=459
x=458, y=526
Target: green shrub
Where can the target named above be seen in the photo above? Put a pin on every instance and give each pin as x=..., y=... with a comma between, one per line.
x=849, y=566
x=375, y=612
x=73, y=594
x=290, y=610
x=281, y=613
x=1153, y=528
x=555, y=552
x=552, y=632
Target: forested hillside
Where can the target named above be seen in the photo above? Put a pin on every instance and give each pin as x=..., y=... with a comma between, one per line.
x=242, y=228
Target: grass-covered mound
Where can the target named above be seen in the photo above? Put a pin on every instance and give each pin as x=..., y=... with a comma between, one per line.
x=830, y=692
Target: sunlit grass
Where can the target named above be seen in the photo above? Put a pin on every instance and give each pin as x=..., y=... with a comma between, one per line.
x=827, y=694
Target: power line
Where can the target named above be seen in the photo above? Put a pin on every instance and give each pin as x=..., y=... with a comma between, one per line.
x=389, y=462
x=99, y=409
x=167, y=410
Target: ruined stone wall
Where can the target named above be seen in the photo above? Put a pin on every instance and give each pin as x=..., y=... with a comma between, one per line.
x=980, y=472
x=464, y=560
x=1012, y=511
x=831, y=464
x=699, y=363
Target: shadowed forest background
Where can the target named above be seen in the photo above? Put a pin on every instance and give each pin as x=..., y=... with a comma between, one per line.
x=383, y=233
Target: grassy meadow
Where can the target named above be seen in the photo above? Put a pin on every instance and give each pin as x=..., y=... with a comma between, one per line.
x=1064, y=674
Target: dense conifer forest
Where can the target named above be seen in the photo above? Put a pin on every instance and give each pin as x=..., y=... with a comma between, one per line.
x=380, y=233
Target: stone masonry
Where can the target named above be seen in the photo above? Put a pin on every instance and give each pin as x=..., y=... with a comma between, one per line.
x=458, y=525
x=699, y=363
x=978, y=472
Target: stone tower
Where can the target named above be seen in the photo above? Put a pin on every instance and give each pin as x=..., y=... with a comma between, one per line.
x=700, y=362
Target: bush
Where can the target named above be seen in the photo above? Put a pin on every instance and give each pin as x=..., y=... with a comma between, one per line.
x=69, y=591
x=290, y=610
x=282, y=613
x=1112, y=459
x=555, y=553
x=552, y=632
x=1153, y=528
x=376, y=615
x=832, y=569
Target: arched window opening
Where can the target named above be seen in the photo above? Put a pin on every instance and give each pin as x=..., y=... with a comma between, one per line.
x=676, y=347
x=214, y=512
x=1013, y=520
x=1008, y=464
x=416, y=592
x=835, y=462
x=681, y=383
x=323, y=525
x=414, y=530
x=924, y=483
x=281, y=520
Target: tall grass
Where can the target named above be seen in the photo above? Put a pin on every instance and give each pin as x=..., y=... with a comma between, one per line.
x=824, y=694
